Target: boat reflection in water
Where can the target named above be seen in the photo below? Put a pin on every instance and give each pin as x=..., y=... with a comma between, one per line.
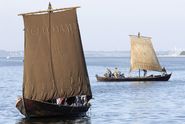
x=55, y=120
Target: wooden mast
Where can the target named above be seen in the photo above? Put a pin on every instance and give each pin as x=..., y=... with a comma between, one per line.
x=139, y=35
x=49, y=7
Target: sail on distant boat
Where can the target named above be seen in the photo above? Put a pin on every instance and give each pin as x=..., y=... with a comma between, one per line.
x=143, y=57
x=54, y=65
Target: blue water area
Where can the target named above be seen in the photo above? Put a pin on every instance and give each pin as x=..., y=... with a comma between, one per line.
x=118, y=103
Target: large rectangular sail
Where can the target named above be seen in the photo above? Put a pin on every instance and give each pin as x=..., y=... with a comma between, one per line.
x=69, y=65
x=54, y=64
x=143, y=55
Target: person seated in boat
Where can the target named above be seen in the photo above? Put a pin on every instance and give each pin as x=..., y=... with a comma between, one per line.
x=145, y=72
x=122, y=75
x=61, y=101
x=108, y=73
x=70, y=100
x=84, y=100
x=79, y=101
x=164, y=71
x=119, y=74
x=116, y=72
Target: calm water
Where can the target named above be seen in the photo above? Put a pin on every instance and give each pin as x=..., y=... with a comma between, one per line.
x=119, y=103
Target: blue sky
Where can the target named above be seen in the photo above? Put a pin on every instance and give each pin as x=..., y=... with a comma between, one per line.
x=104, y=24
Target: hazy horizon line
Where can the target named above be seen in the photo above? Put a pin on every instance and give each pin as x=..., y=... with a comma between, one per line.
x=100, y=50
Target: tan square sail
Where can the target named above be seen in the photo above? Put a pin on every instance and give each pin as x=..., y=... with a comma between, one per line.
x=143, y=55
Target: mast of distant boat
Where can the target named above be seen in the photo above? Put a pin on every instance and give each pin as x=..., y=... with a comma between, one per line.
x=139, y=37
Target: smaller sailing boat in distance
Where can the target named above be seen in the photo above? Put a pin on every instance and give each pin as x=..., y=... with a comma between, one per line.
x=143, y=57
x=55, y=80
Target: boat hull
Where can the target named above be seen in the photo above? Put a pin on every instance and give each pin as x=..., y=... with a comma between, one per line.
x=149, y=78
x=31, y=108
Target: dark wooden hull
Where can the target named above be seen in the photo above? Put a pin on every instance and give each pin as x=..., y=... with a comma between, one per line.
x=149, y=78
x=31, y=108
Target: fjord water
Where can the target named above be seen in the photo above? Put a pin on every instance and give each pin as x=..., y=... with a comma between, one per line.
x=123, y=102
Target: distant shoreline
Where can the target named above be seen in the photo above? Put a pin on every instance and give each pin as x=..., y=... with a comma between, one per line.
x=4, y=53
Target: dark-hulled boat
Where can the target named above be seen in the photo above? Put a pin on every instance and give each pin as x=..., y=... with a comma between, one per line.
x=143, y=57
x=54, y=64
x=147, y=78
x=45, y=109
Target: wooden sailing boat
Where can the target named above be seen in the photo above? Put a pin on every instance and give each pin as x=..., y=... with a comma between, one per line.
x=143, y=57
x=54, y=64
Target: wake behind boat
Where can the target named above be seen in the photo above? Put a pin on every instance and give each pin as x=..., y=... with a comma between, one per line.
x=55, y=81
x=143, y=57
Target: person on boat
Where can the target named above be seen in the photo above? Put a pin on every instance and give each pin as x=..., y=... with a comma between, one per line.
x=60, y=101
x=116, y=72
x=108, y=73
x=85, y=100
x=70, y=100
x=79, y=101
x=164, y=71
x=145, y=72
x=122, y=75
